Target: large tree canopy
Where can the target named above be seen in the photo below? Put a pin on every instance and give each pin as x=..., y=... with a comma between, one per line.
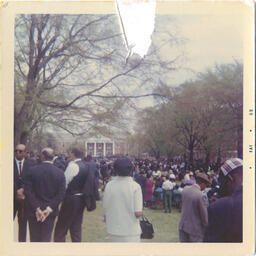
x=70, y=72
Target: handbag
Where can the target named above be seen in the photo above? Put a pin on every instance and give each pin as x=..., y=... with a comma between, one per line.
x=146, y=228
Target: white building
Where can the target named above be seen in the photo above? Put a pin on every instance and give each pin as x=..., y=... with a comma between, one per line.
x=100, y=147
x=103, y=146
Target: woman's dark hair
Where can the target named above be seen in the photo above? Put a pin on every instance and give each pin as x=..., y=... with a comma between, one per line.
x=148, y=175
x=176, y=186
x=182, y=185
x=123, y=166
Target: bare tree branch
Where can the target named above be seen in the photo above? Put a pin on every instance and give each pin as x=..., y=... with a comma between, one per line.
x=57, y=105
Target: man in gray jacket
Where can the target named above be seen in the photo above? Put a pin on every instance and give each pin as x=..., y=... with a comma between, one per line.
x=194, y=216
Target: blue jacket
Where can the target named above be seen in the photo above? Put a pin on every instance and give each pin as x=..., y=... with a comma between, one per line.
x=225, y=219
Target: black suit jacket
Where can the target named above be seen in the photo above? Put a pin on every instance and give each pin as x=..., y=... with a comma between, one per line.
x=226, y=219
x=142, y=181
x=45, y=185
x=19, y=179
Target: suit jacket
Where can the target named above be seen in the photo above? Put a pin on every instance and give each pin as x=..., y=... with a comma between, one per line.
x=194, y=216
x=226, y=219
x=19, y=178
x=142, y=181
x=45, y=185
x=90, y=187
x=94, y=167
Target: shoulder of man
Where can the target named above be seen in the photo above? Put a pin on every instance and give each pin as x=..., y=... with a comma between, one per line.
x=36, y=167
x=45, y=165
x=192, y=190
x=220, y=204
x=187, y=189
x=30, y=162
x=56, y=168
x=73, y=163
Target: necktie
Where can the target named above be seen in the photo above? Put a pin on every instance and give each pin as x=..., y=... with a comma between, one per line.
x=20, y=167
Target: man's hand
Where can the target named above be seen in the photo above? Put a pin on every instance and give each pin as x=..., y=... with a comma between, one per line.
x=42, y=215
x=46, y=213
x=39, y=214
x=138, y=214
x=20, y=194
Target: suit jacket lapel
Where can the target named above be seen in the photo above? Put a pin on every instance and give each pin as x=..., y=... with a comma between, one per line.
x=16, y=170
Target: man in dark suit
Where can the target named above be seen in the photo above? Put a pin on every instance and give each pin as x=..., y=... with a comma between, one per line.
x=71, y=213
x=20, y=169
x=44, y=189
x=226, y=214
x=141, y=179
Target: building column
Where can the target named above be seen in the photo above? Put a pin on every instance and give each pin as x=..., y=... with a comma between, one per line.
x=113, y=147
x=94, y=149
x=104, y=149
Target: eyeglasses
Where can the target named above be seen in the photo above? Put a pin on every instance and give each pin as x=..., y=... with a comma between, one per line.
x=18, y=150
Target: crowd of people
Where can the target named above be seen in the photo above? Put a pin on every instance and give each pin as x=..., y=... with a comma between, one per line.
x=39, y=188
x=210, y=200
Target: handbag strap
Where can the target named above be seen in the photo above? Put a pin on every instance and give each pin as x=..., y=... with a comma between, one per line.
x=144, y=218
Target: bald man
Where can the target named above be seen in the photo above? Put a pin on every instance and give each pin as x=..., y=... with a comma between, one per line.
x=20, y=169
x=44, y=189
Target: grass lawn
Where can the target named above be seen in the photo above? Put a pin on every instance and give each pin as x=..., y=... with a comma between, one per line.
x=165, y=225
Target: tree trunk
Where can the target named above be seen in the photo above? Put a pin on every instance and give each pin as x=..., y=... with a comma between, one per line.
x=207, y=161
x=18, y=131
x=191, y=156
x=157, y=155
x=21, y=135
x=218, y=163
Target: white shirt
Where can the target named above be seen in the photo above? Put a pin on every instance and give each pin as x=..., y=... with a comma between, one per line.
x=122, y=198
x=168, y=185
x=180, y=189
x=49, y=162
x=71, y=171
x=187, y=177
x=154, y=173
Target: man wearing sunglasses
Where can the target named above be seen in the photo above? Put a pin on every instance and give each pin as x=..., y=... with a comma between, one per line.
x=21, y=166
x=225, y=215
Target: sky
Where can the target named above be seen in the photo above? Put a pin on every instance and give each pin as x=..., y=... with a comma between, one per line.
x=211, y=39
